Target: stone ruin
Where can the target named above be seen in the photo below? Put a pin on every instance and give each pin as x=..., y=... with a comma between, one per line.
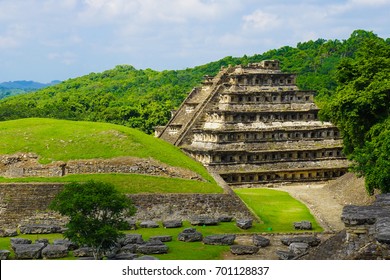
x=366, y=234
x=253, y=125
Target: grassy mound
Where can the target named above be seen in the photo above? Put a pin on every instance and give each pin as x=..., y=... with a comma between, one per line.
x=62, y=140
x=277, y=209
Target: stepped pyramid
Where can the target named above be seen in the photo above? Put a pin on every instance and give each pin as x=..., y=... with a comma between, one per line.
x=252, y=125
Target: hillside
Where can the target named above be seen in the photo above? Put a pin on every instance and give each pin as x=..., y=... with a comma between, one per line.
x=83, y=143
x=8, y=89
x=143, y=99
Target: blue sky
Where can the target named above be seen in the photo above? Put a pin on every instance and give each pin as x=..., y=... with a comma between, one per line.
x=44, y=40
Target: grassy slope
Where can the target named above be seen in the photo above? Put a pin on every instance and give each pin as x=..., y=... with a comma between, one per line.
x=60, y=140
x=277, y=209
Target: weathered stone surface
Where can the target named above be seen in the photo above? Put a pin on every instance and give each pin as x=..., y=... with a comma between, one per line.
x=353, y=215
x=298, y=248
x=8, y=232
x=382, y=230
x=244, y=249
x=303, y=225
x=131, y=239
x=173, y=224
x=190, y=235
x=19, y=241
x=382, y=200
x=162, y=238
x=54, y=252
x=204, y=221
x=28, y=251
x=40, y=229
x=260, y=241
x=4, y=254
x=83, y=252
x=67, y=243
x=132, y=224
x=154, y=247
x=310, y=240
x=149, y=224
x=43, y=241
x=125, y=256
x=244, y=223
x=285, y=255
x=225, y=219
x=219, y=239
x=146, y=258
x=128, y=249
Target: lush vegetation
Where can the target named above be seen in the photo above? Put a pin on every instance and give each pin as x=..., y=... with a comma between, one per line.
x=277, y=209
x=361, y=109
x=144, y=98
x=96, y=212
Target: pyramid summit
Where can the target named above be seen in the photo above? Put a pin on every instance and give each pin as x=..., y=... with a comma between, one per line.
x=253, y=125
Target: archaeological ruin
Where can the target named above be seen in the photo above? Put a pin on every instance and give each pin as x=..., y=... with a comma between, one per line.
x=253, y=125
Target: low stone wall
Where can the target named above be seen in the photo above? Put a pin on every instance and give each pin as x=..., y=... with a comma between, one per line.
x=187, y=206
x=27, y=165
x=22, y=203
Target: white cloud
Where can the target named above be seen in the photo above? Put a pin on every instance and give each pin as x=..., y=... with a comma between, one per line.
x=67, y=58
x=260, y=20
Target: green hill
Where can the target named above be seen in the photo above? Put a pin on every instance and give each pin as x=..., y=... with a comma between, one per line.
x=62, y=140
x=143, y=99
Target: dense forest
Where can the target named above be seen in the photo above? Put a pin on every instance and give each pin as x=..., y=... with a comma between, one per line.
x=351, y=78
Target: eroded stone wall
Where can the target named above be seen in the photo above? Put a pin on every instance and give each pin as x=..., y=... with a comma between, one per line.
x=27, y=204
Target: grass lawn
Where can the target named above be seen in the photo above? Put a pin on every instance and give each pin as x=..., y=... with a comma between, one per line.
x=178, y=250
x=277, y=209
x=132, y=183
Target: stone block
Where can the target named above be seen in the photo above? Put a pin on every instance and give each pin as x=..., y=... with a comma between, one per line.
x=54, y=252
x=154, y=247
x=67, y=243
x=225, y=219
x=83, y=252
x=285, y=255
x=303, y=225
x=4, y=254
x=244, y=223
x=149, y=224
x=312, y=241
x=382, y=230
x=173, y=224
x=190, y=235
x=8, y=232
x=260, y=241
x=298, y=248
x=244, y=249
x=40, y=229
x=131, y=239
x=19, y=241
x=219, y=239
x=128, y=249
x=28, y=251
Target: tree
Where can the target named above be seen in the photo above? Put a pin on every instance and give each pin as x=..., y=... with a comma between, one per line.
x=96, y=212
x=361, y=109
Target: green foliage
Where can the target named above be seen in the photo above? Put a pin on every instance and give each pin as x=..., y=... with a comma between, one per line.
x=277, y=209
x=361, y=109
x=143, y=99
x=96, y=212
x=132, y=183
